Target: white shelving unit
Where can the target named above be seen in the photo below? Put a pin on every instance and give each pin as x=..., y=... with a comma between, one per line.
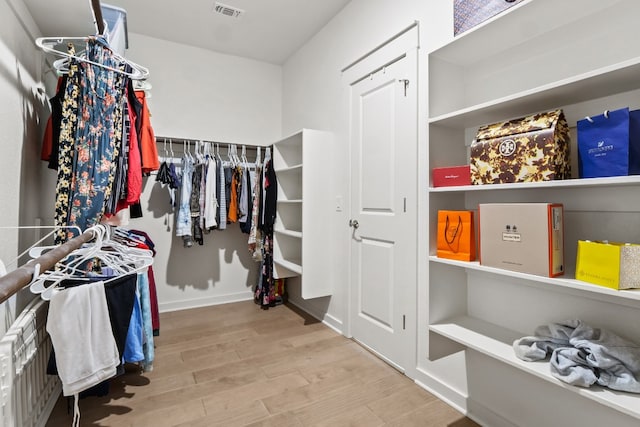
x=540, y=55
x=303, y=230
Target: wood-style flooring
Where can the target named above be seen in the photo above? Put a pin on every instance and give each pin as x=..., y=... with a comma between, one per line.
x=238, y=365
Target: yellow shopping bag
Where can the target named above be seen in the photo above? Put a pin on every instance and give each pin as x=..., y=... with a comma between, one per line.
x=611, y=264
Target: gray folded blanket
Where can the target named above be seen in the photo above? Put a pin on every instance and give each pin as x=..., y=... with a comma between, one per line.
x=582, y=355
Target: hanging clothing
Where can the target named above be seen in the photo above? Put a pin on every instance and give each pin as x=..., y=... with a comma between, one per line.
x=80, y=329
x=247, y=200
x=65, y=148
x=183, y=219
x=194, y=205
x=145, y=305
x=133, y=349
x=222, y=196
x=211, y=197
x=147, y=139
x=233, y=197
x=270, y=192
x=98, y=136
x=254, y=234
x=51, y=138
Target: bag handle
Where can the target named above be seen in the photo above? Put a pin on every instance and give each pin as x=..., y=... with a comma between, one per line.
x=455, y=233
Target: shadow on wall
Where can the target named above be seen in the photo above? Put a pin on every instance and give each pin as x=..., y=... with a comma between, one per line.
x=159, y=203
x=34, y=108
x=202, y=267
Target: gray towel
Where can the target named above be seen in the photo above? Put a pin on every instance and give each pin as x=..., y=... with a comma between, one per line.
x=582, y=355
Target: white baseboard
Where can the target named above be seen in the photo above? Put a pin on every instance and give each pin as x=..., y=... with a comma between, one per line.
x=472, y=409
x=485, y=416
x=327, y=319
x=443, y=392
x=204, y=302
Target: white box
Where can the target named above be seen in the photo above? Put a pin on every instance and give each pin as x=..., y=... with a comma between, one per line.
x=523, y=237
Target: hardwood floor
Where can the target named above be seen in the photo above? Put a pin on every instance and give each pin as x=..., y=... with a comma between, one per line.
x=238, y=365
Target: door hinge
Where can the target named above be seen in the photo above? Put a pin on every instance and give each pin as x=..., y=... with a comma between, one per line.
x=405, y=205
x=404, y=322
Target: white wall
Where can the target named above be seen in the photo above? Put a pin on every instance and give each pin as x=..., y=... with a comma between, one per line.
x=312, y=79
x=200, y=94
x=20, y=136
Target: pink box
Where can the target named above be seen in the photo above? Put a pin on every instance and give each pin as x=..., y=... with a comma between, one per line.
x=451, y=176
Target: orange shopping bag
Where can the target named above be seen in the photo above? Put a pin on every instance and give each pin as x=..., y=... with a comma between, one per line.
x=456, y=236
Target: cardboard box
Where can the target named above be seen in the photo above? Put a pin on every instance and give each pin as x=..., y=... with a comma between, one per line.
x=451, y=176
x=523, y=237
x=532, y=148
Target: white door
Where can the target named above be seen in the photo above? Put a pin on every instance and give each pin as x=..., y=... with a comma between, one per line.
x=383, y=210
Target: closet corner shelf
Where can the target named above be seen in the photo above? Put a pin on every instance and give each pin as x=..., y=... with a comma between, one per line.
x=612, y=79
x=615, y=181
x=496, y=342
x=624, y=297
x=294, y=267
x=295, y=168
x=290, y=233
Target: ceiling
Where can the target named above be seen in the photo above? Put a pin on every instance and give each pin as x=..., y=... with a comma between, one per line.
x=269, y=30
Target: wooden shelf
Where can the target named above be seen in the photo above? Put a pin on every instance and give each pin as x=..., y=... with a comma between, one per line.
x=496, y=342
x=630, y=297
x=615, y=181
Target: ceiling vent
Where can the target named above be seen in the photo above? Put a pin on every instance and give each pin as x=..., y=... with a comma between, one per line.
x=227, y=10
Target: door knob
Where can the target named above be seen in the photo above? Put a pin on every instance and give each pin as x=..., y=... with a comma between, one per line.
x=354, y=223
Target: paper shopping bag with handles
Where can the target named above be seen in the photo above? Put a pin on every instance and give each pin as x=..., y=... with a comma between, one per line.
x=456, y=236
x=610, y=264
x=609, y=144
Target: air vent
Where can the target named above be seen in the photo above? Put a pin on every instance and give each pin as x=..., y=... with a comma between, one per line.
x=227, y=10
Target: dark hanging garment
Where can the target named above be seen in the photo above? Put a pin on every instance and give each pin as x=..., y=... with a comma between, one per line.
x=270, y=198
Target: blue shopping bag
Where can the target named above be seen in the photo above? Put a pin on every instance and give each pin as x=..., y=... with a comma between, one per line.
x=609, y=144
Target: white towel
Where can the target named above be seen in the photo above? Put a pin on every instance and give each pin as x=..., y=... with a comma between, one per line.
x=80, y=330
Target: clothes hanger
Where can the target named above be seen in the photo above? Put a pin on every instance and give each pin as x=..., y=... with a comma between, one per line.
x=122, y=259
x=37, y=285
x=244, y=155
x=47, y=44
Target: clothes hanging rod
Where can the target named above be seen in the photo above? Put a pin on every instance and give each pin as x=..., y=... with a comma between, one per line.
x=168, y=139
x=16, y=280
x=97, y=14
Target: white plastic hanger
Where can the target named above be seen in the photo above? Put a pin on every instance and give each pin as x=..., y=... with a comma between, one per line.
x=120, y=258
x=47, y=44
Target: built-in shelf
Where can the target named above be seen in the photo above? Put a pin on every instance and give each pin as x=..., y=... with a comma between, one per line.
x=304, y=217
x=496, y=342
x=293, y=266
x=491, y=34
x=290, y=233
x=562, y=60
x=604, y=81
x=291, y=169
x=615, y=181
x=630, y=297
